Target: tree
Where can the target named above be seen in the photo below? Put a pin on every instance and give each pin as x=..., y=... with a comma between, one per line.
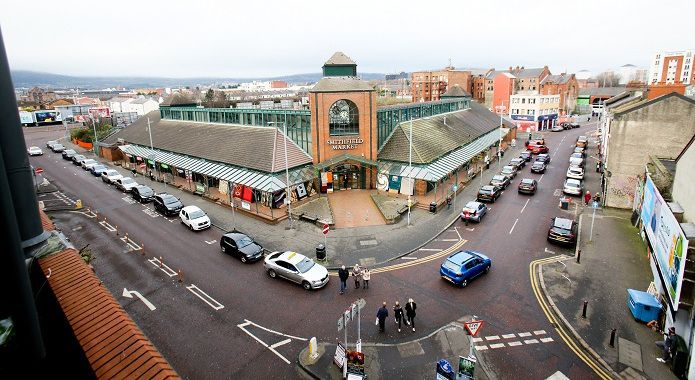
x=608, y=79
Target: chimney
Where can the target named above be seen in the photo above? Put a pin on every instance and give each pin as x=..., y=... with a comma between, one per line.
x=522, y=67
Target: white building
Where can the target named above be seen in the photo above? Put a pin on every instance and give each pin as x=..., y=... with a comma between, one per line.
x=141, y=106
x=534, y=112
x=672, y=67
x=629, y=73
x=116, y=104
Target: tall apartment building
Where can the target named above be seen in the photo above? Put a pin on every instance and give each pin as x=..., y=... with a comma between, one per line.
x=672, y=67
x=430, y=85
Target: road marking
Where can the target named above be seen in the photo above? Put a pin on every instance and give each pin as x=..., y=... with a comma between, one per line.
x=514, y=343
x=546, y=340
x=531, y=341
x=497, y=345
x=508, y=336
x=431, y=249
x=108, y=227
x=265, y=345
x=129, y=294
x=77, y=228
x=457, y=233
x=208, y=300
x=525, y=204
x=272, y=346
x=408, y=258
x=549, y=251
x=150, y=212
x=492, y=337
x=524, y=334
x=278, y=344
x=557, y=192
x=210, y=241
x=481, y=348
x=133, y=246
x=369, y=242
x=88, y=213
x=163, y=267
x=539, y=332
x=510, y=231
x=470, y=229
x=128, y=200
x=448, y=239
x=476, y=340
x=540, y=179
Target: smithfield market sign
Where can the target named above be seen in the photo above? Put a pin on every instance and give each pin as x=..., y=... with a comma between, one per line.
x=345, y=144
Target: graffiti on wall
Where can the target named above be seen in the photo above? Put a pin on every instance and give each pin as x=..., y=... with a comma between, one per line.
x=622, y=190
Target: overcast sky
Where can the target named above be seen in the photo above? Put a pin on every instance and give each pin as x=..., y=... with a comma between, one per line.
x=271, y=38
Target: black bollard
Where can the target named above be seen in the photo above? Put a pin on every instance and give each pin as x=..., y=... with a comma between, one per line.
x=584, y=309
x=579, y=255
x=612, y=342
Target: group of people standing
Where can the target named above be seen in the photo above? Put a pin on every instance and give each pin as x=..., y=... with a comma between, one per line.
x=406, y=315
x=358, y=273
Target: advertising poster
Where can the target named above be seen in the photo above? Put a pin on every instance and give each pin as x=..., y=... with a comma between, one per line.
x=407, y=186
x=382, y=182
x=667, y=239
x=394, y=184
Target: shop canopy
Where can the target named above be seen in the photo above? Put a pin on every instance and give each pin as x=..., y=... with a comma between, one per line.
x=238, y=176
x=442, y=167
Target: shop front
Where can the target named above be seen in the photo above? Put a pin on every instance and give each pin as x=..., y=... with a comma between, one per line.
x=346, y=172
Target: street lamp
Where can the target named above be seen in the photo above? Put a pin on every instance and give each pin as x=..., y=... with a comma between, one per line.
x=287, y=171
x=500, y=109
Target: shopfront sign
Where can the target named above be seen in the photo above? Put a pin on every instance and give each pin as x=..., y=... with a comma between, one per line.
x=345, y=144
x=667, y=239
x=523, y=117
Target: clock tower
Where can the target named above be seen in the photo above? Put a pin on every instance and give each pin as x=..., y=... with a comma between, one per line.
x=343, y=127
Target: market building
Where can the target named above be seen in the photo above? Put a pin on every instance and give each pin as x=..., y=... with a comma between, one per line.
x=250, y=157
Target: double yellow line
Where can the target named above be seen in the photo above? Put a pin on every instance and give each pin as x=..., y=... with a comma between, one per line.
x=419, y=261
x=590, y=361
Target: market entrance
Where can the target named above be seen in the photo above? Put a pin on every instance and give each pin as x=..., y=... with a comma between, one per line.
x=348, y=176
x=347, y=172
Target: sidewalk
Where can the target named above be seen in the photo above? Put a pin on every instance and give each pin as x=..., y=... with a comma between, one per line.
x=613, y=259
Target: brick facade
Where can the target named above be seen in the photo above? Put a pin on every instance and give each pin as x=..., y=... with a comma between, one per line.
x=431, y=85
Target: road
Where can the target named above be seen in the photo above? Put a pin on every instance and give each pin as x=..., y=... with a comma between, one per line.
x=225, y=319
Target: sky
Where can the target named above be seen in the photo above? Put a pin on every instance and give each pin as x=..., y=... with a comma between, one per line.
x=246, y=39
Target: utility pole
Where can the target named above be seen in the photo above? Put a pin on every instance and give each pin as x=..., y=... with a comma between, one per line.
x=410, y=164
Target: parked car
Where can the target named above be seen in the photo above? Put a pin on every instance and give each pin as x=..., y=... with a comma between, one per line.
x=125, y=184
x=500, y=180
x=562, y=231
x=538, y=166
x=49, y=144
x=582, y=141
x=509, y=172
x=77, y=159
x=194, y=218
x=463, y=266
x=518, y=162
x=297, y=268
x=535, y=141
x=142, y=193
x=241, y=246
x=577, y=159
x=110, y=176
x=89, y=163
x=35, y=151
x=575, y=172
x=68, y=153
x=57, y=148
x=98, y=170
x=566, y=125
x=575, y=125
x=543, y=157
x=527, y=186
x=581, y=151
x=573, y=187
x=167, y=204
x=536, y=149
x=557, y=128
x=489, y=193
x=525, y=155
x=473, y=211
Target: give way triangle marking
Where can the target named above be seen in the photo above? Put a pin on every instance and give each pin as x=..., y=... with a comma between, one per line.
x=473, y=326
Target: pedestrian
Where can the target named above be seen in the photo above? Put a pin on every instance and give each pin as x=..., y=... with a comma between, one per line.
x=448, y=202
x=343, y=275
x=667, y=345
x=365, y=278
x=357, y=274
x=410, y=308
x=598, y=166
x=398, y=313
x=587, y=198
x=381, y=316
x=597, y=197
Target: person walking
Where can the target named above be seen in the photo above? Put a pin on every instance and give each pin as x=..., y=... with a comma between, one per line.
x=597, y=197
x=398, y=313
x=366, y=274
x=357, y=274
x=667, y=345
x=343, y=275
x=410, y=308
x=381, y=316
x=587, y=198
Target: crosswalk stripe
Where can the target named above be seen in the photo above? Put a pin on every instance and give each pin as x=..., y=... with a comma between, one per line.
x=531, y=341
x=524, y=334
x=546, y=340
x=497, y=345
x=508, y=336
x=514, y=343
x=539, y=332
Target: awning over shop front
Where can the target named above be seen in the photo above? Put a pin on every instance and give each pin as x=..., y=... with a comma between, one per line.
x=344, y=157
x=240, y=176
x=445, y=165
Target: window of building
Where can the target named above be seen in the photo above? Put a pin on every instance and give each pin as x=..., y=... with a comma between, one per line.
x=523, y=100
x=343, y=118
x=658, y=56
x=533, y=88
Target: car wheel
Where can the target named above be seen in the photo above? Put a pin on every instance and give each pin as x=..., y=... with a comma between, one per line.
x=272, y=273
x=487, y=269
x=464, y=283
x=190, y=227
x=306, y=285
x=243, y=259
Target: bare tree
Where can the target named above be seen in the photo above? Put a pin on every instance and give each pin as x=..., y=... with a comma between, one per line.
x=608, y=79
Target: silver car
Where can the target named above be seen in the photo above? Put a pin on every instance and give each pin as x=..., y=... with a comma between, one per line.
x=573, y=187
x=296, y=268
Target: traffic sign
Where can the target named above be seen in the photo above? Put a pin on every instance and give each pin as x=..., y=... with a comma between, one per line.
x=594, y=204
x=473, y=326
x=39, y=170
x=325, y=229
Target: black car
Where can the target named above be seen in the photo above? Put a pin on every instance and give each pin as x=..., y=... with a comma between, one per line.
x=528, y=186
x=538, y=166
x=142, y=193
x=566, y=126
x=489, y=193
x=241, y=246
x=574, y=125
x=543, y=157
x=562, y=231
x=519, y=162
x=525, y=155
x=68, y=154
x=167, y=204
x=500, y=180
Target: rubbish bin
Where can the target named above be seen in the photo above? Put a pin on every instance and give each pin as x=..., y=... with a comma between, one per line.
x=445, y=370
x=564, y=203
x=433, y=207
x=321, y=252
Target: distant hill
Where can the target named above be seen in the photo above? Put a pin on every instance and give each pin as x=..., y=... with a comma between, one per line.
x=28, y=79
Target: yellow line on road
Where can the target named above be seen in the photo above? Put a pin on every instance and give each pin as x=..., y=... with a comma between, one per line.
x=591, y=362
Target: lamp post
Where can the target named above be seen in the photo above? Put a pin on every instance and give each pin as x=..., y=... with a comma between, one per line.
x=287, y=171
x=410, y=164
x=500, y=109
x=94, y=125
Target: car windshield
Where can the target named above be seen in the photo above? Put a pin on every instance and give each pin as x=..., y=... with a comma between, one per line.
x=99, y=167
x=128, y=181
x=244, y=241
x=170, y=200
x=576, y=155
x=69, y=151
x=527, y=181
x=538, y=163
x=111, y=173
x=498, y=178
x=575, y=170
x=452, y=266
x=507, y=169
x=571, y=184
x=304, y=265
x=471, y=205
x=89, y=161
x=196, y=214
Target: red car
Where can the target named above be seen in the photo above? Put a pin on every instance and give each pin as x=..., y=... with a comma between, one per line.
x=536, y=149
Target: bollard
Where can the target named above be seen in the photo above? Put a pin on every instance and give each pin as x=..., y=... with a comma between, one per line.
x=142, y=249
x=116, y=227
x=180, y=276
x=584, y=309
x=126, y=238
x=612, y=342
x=579, y=255
x=160, y=261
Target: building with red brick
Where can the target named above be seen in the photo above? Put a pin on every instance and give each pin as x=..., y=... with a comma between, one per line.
x=429, y=86
x=564, y=85
x=671, y=71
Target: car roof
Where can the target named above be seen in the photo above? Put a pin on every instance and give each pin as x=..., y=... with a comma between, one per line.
x=572, y=180
x=125, y=179
x=461, y=257
x=576, y=155
x=562, y=223
x=527, y=180
x=537, y=161
x=191, y=208
x=473, y=204
x=498, y=176
x=574, y=167
x=235, y=235
x=111, y=171
x=487, y=187
x=291, y=257
x=516, y=159
x=143, y=187
x=508, y=166
x=543, y=155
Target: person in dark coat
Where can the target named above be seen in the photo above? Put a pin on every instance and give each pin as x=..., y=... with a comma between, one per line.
x=381, y=315
x=343, y=274
x=667, y=345
x=398, y=313
x=410, y=308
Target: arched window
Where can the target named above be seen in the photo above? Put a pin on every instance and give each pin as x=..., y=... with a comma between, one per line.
x=343, y=118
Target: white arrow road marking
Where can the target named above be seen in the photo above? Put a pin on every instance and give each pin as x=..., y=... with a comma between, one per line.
x=207, y=299
x=549, y=251
x=163, y=267
x=129, y=294
x=211, y=241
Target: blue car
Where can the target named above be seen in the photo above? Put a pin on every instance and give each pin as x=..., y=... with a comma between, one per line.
x=463, y=266
x=98, y=169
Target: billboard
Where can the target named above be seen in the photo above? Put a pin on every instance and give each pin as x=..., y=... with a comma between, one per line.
x=100, y=112
x=47, y=116
x=667, y=240
x=26, y=117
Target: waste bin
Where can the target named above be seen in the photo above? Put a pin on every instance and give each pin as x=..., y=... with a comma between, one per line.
x=321, y=252
x=644, y=306
x=564, y=203
x=445, y=370
x=433, y=207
